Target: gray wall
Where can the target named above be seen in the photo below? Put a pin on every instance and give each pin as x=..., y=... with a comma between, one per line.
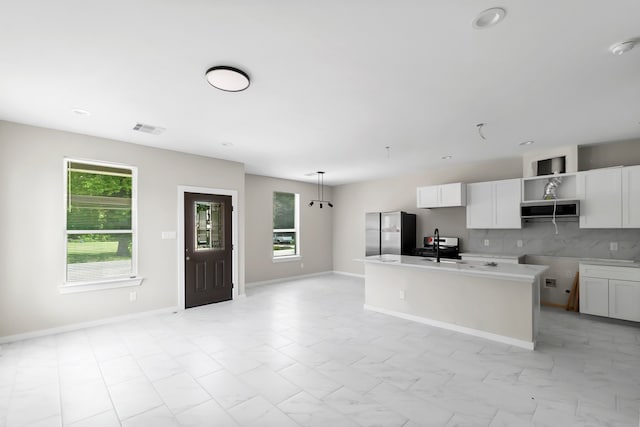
x=315, y=230
x=540, y=238
x=32, y=221
x=623, y=153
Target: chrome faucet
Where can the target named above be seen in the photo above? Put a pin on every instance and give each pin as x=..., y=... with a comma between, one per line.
x=436, y=237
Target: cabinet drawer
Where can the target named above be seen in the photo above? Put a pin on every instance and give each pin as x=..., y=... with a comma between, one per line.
x=610, y=272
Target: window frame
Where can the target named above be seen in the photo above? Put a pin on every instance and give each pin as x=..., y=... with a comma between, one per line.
x=132, y=279
x=296, y=229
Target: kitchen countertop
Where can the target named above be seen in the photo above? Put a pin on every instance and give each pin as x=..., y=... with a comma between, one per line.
x=519, y=272
x=611, y=262
x=485, y=255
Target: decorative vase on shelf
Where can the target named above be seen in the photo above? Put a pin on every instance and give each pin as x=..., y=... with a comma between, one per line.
x=551, y=188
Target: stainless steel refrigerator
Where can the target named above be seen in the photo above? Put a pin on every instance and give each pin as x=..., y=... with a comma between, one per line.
x=390, y=233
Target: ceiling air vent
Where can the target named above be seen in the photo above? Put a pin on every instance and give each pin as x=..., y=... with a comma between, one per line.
x=153, y=130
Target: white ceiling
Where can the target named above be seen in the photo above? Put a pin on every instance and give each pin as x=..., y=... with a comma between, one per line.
x=333, y=82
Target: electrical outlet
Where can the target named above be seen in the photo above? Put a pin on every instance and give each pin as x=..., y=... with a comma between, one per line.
x=613, y=246
x=133, y=296
x=549, y=283
x=519, y=243
x=486, y=242
x=302, y=265
x=402, y=295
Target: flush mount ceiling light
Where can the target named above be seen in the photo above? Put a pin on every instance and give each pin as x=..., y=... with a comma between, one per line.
x=621, y=48
x=227, y=78
x=489, y=18
x=526, y=142
x=446, y=157
x=320, y=198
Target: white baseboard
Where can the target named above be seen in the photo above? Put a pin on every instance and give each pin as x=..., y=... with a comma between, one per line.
x=453, y=327
x=83, y=325
x=344, y=273
x=284, y=279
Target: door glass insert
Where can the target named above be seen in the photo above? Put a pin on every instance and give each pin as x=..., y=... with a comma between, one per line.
x=209, y=226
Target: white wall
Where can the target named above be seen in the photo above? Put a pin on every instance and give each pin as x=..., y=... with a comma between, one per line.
x=315, y=230
x=352, y=201
x=32, y=221
x=530, y=159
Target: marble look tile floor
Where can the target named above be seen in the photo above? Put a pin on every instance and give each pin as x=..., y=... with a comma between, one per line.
x=305, y=353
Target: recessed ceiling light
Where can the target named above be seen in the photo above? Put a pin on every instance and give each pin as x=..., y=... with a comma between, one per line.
x=489, y=18
x=228, y=79
x=227, y=144
x=527, y=142
x=446, y=157
x=623, y=47
x=80, y=112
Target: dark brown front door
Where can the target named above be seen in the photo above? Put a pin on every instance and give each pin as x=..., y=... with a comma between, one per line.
x=208, y=249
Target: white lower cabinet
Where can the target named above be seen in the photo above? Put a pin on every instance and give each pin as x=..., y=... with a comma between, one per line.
x=624, y=300
x=594, y=296
x=610, y=291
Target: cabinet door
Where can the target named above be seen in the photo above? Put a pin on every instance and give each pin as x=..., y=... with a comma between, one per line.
x=631, y=197
x=594, y=296
x=507, y=203
x=480, y=205
x=624, y=300
x=452, y=194
x=601, y=193
x=429, y=197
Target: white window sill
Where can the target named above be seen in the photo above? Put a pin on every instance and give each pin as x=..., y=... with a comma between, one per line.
x=72, y=288
x=287, y=258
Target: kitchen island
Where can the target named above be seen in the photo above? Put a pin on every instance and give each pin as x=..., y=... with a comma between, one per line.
x=497, y=302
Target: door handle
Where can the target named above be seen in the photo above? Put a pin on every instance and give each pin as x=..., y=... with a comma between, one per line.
x=188, y=258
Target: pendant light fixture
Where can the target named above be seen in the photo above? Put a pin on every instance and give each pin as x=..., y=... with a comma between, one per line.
x=320, y=198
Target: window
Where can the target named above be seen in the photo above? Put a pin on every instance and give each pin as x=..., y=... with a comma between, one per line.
x=100, y=213
x=286, y=236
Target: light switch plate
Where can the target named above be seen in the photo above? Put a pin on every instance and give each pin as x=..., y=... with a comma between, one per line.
x=168, y=235
x=613, y=246
x=486, y=242
x=519, y=243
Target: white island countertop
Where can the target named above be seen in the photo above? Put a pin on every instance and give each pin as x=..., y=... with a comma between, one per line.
x=518, y=272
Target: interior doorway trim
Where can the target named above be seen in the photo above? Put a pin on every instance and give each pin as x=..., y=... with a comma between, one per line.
x=180, y=236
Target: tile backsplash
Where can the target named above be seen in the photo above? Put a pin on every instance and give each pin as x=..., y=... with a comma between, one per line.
x=540, y=238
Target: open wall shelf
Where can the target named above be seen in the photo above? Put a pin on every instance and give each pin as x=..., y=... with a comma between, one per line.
x=533, y=187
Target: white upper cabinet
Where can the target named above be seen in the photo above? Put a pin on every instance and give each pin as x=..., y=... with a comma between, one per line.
x=494, y=204
x=631, y=197
x=442, y=196
x=480, y=205
x=600, y=191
